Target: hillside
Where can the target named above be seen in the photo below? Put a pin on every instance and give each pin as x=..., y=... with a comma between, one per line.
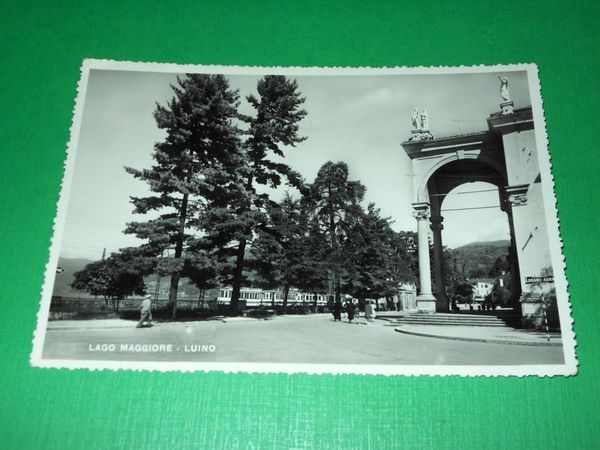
x=63, y=280
x=477, y=259
x=501, y=243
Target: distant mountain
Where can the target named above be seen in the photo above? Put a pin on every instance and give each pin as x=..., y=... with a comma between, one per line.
x=64, y=279
x=501, y=243
x=72, y=265
x=479, y=259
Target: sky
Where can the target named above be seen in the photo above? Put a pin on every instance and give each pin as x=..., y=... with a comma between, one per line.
x=361, y=120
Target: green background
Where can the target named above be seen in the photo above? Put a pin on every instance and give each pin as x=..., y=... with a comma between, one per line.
x=42, y=46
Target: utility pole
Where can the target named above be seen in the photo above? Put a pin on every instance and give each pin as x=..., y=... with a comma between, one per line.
x=103, y=256
x=163, y=254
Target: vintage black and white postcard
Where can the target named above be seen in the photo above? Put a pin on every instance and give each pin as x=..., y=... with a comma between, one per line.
x=316, y=220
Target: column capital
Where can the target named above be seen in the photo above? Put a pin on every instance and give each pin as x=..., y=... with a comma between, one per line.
x=516, y=195
x=421, y=211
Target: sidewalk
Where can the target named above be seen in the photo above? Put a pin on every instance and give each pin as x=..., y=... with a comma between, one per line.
x=95, y=324
x=490, y=335
x=108, y=324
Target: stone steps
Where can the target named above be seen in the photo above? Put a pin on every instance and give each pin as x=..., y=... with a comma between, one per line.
x=447, y=319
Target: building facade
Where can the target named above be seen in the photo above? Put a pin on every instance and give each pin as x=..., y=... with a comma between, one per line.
x=482, y=288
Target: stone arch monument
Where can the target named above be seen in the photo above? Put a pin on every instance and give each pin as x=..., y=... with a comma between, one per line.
x=504, y=155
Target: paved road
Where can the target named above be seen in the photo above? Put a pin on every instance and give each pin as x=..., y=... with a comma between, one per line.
x=307, y=339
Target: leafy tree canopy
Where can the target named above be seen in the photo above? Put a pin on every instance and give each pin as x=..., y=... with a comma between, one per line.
x=112, y=278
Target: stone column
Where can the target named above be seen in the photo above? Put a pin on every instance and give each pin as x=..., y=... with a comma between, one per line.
x=425, y=299
x=438, y=264
x=516, y=201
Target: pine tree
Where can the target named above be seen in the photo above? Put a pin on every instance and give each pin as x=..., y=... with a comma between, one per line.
x=335, y=201
x=312, y=271
x=199, y=159
x=232, y=224
x=278, y=251
x=265, y=263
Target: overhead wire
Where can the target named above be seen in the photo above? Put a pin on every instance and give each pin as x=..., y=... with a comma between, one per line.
x=465, y=192
x=470, y=208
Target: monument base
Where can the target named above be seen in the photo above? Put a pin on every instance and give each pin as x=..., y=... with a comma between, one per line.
x=507, y=107
x=442, y=304
x=539, y=312
x=421, y=135
x=426, y=303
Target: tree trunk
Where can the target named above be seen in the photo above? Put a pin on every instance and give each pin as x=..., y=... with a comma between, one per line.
x=338, y=288
x=201, y=299
x=178, y=252
x=238, y=271
x=286, y=293
x=173, y=293
x=237, y=278
x=334, y=248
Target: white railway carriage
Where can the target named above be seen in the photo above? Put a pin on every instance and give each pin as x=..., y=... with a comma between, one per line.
x=259, y=297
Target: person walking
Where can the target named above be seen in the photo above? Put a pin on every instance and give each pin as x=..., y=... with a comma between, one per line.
x=350, y=310
x=369, y=312
x=145, y=313
x=337, y=311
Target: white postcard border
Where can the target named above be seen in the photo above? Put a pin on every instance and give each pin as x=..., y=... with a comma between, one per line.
x=570, y=365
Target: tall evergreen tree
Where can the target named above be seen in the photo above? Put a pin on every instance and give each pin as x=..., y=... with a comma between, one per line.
x=273, y=128
x=313, y=269
x=279, y=251
x=265, y=264
x=335, y=202
x=199, y=159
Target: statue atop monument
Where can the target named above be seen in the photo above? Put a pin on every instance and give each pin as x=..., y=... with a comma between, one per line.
x=507, y=104
x=420, y=126
x=416, y=123
x=424, y=120
x=504, y=93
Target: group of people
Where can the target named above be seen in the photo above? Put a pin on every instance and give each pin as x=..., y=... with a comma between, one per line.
x=486, y=305
x=352, y=311
x=350, y=308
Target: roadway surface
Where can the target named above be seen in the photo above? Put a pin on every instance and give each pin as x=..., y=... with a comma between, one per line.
x=291, y=339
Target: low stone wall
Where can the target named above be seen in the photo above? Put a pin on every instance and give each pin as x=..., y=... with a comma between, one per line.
x=60, y=307
x=67, y=308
